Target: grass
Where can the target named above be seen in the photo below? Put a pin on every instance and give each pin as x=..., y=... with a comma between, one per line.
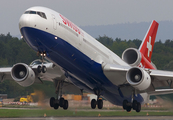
x=14, y=113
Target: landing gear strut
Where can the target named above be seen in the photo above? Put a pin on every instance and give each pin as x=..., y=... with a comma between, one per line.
x=60, y=101
x=99, y=101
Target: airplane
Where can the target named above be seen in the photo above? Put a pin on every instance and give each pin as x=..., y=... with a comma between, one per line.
x=78, y=62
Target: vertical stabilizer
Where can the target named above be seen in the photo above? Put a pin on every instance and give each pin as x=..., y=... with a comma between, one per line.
x=147, y=45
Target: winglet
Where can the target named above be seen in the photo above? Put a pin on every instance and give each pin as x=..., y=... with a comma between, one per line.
x=147, y=45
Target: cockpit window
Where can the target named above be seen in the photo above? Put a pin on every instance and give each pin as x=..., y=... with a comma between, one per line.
x=41, y=14
x=27, y=12
x=32, y=12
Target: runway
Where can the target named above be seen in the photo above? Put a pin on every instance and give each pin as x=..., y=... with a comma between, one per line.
x=96, y=118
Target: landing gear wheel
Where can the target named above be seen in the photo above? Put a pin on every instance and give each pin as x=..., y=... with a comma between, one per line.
x=93, y=103
x=65, y=107
x=43, y=69
x=39, y=69
x=128, y=109
x=138, y=108
x=56, y=106
x=125, y=104
x=61, y=102
x=100, y=104
x=134, y=104
x=52, y=100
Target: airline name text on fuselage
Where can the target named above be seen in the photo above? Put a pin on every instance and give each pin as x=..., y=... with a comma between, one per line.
x=70, y=24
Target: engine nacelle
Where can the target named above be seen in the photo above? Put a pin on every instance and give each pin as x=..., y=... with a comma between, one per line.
x=138, y=78
x=23, y=74
x=132, y=56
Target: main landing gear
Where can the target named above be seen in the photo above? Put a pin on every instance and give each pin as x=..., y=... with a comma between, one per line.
x=128, y=106
x=134, y=104
x=99, y=101
x=56, y=103
x=60, y=101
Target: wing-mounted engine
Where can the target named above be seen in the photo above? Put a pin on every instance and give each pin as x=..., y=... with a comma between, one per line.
x=23, y=74
x=138, y=78
x=132, y=56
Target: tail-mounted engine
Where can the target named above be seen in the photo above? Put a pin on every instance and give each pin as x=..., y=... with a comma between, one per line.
x=138, y=78
x=132, y=56
x=23, y=74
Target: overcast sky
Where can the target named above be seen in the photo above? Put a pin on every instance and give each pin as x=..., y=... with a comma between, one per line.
x=89, y=12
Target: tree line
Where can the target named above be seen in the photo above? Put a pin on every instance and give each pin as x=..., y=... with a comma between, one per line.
x=14, y=50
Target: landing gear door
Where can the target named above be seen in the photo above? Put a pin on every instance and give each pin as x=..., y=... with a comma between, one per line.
x=54, y=22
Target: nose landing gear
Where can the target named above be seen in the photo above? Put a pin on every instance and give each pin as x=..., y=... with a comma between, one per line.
x=42, y=68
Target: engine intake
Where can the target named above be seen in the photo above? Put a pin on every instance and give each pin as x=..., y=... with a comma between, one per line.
x=23, y=74
x=132, y=56
x=138, y=78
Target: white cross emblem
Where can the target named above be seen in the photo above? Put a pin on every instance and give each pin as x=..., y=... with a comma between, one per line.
x=149, y=46
x=140, y=65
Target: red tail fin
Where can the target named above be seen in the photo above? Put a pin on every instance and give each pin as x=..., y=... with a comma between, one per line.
x=147, y=45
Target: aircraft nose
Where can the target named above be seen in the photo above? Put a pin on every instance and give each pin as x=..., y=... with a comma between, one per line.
x=24, y=21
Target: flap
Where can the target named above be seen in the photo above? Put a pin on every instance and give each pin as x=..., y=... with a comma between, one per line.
x=161, y=92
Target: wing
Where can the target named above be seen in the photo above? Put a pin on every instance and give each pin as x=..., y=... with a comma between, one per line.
x=5, y=73
x=53, y=73
x=159, y=78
